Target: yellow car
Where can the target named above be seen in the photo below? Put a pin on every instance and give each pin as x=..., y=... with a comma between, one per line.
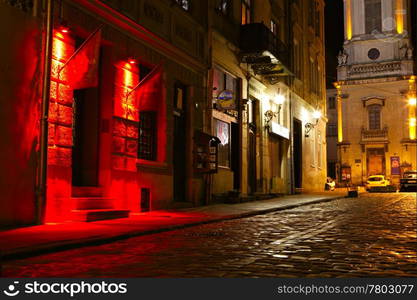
x=376, y=182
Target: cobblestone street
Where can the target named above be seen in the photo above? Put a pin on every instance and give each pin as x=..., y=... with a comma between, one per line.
x=370, y=236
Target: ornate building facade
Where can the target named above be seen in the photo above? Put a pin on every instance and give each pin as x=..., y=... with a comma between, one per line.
x=376, y=91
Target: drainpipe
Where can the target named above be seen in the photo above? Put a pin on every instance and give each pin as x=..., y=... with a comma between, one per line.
x=43, y=141
x=292, y=177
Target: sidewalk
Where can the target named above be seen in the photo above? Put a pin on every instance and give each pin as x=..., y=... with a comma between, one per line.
x=29, y=241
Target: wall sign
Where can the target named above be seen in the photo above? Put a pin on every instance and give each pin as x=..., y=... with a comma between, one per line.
x=395, y=165
x=280, y=130
x=226, y=100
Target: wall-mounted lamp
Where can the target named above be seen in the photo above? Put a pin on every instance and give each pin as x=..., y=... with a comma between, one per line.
x=132, y=60
x=308, y=126
x=269, y=114
x=412, y=101
x=63, y=27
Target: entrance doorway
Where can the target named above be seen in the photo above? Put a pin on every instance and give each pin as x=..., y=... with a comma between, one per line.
x=85, y=137
x=179, y=142
x=375, y=158
x=252, y=129
x=297, y=158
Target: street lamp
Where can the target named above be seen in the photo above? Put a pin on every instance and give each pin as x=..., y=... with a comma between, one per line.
x=308, y=126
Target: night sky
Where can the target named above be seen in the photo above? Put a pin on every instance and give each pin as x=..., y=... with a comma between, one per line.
x=334, y=37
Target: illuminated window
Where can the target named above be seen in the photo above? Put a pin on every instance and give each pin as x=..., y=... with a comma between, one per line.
x=246, y=12
x=373, y=13
x=374, y=117
x=222, y=131
x=147, y=135
x=185, y=4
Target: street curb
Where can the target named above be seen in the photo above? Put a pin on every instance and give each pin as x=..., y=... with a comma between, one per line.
x=62, y=246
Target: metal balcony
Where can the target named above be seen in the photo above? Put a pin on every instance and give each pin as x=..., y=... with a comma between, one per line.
x=260, y=48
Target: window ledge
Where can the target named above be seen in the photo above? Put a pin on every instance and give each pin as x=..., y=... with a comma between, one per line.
x=151, y=164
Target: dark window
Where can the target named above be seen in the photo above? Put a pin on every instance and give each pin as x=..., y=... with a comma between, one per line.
x=311, y=12
x=185, y=4
x=331, y=130
x=297, y=59
x=373, y=16
x=374, y=115
x=332, y=102
x=318, y=23
x=246, y=12
x=147, y=135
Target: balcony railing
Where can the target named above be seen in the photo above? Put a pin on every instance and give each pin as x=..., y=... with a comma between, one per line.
x=266, y=53
x=375, y=135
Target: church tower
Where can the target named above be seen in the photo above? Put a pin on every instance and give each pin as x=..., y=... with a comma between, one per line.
x=376, y=94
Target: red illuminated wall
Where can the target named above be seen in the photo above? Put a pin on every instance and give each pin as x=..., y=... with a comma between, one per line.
x=60, y=132
x=125, y=137
x=20, y=94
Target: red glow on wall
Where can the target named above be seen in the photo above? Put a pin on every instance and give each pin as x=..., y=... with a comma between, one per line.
x=58, y=206
x=125, y=104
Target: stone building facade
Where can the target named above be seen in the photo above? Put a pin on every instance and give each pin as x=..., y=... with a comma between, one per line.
x=279, y=74
x=173, y=76
x=376, y=95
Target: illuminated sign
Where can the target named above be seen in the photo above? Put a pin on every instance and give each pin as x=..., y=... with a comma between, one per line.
x=280, y=130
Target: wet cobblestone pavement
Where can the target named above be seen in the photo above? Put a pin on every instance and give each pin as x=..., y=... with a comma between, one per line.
x=370, y=236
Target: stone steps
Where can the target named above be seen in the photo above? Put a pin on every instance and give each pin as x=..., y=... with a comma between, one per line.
x=82, y=203
x=90, y=215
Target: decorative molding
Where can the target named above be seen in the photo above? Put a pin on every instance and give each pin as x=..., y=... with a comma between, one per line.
x=366, y=101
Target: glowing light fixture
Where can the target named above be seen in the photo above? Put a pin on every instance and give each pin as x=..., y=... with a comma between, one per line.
x=279, y=99
x=132, y=61
x=309, y=126
x=412, y=101
x=317, y=115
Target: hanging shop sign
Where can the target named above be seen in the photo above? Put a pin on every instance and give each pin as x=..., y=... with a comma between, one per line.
x=226, y=100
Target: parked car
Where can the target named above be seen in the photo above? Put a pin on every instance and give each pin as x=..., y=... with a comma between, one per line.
x=409, y=181
x=377, y=183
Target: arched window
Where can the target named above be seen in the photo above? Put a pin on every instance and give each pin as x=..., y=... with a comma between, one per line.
x=374, y=116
